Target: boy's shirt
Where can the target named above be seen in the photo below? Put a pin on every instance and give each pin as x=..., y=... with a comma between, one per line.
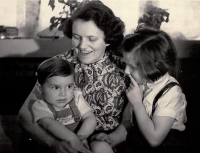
x=41, y=110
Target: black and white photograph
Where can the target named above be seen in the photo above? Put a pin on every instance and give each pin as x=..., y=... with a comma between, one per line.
x=99, y=76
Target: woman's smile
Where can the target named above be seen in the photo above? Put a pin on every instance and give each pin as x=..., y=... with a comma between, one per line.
x=90, y=43
x=85, y=51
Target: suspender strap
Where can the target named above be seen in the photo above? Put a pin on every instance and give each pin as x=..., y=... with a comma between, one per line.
x=52, y=110
x=163, y=90
x=73, y=110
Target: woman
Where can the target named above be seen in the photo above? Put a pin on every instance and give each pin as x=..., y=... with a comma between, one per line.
x=96, y=33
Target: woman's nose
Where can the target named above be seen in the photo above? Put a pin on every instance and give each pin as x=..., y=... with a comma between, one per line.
x=127, y=70
x=82, y=44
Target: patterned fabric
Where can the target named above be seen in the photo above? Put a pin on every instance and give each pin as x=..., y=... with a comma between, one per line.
x=103, y=87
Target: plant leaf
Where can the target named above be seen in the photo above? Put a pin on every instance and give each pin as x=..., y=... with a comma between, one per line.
x=52, y=19
x=52, y=4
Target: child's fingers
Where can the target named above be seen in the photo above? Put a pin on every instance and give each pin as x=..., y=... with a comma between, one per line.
x=86, y=144
x=101, y=137
x=81, y=137
x=133, y=81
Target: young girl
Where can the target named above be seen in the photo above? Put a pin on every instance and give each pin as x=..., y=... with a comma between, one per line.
x=155, y=96
x=62, y=110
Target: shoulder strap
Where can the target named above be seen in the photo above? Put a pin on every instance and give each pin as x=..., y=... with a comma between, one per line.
x=75, y=110
x=163, y=90
x=52, y=109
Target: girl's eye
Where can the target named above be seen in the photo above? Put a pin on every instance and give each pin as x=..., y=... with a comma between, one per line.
x=134, y=68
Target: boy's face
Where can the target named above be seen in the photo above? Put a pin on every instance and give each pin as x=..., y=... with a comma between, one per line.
x=58, y=90
x=132, y=69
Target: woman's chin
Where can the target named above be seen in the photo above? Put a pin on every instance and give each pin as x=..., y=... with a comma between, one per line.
x=85, y=58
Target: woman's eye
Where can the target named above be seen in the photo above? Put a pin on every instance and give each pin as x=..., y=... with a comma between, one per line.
x=92, y=39
x=76, y=37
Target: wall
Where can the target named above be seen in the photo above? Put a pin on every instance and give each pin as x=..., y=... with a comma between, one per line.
x=183, y=21
x=34, y=47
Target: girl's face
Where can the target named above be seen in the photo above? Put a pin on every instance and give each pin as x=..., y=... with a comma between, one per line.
x=58, y=90
x=132, y=69
x=88, y=41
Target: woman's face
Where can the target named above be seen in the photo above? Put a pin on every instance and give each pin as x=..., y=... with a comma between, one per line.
x=88, y=41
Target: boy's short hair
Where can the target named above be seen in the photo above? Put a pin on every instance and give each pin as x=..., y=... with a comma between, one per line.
x=53, y=67
x=154, y=51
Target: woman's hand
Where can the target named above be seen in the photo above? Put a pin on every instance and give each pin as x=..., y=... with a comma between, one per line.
x=76, y=143
x=62, y=147
x=102, y=137
x=134, y=92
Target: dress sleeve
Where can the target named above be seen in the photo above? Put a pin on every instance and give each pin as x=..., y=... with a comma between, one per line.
x=171, y=104
x=41, y=110
x=81, y=103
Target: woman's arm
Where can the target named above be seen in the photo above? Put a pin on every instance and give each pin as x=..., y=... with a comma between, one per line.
x=120, y=134
x=88, y=125
x=63, y=133
x=25, y=119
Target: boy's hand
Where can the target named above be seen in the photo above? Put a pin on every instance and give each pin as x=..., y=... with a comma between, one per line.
x=134, y=92
x=78, y=145
x=83, y=139
x=102, y=137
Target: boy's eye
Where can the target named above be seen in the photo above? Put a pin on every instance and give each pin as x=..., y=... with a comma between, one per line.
x=55, y=87
x=70, y=86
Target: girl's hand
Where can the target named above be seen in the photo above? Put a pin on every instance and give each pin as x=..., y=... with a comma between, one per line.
x=78, y=145
x=134, y=92
x=102, y=137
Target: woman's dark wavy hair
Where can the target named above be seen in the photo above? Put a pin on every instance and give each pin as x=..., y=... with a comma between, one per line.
x=154, y=52
x=53, y=67
x=103, y=17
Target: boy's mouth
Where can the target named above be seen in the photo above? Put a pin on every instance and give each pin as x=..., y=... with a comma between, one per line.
x=62, y=100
